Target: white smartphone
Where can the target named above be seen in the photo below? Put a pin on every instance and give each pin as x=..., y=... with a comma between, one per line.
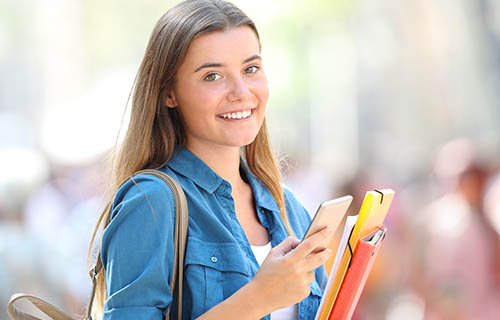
x=329, y=213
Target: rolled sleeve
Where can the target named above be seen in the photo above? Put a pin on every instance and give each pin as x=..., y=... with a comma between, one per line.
x=138, y=251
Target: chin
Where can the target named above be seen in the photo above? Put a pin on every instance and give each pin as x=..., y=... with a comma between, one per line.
x=243, y=141
x=241, y=144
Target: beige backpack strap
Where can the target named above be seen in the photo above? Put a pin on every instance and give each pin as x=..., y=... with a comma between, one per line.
x=180, y=238
x=180, y=235
x=49, y=309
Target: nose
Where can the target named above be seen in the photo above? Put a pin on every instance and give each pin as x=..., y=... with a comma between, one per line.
x=239, y=89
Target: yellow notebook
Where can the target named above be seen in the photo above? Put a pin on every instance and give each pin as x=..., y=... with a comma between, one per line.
x=371, y=215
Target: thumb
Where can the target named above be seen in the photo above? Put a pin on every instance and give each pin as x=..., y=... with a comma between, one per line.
x=286, y=246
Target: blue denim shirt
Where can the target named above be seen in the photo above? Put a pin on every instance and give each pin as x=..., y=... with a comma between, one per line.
x=137, y=246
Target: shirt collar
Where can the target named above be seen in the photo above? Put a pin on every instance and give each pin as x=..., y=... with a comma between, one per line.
x=262, y=195
x=267, y=209
x=189, y=165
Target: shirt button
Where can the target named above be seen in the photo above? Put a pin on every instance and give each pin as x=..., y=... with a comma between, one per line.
x=214, y=259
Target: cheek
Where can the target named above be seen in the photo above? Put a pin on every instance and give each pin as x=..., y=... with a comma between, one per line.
x=262, y=91
x=195, y=101
x=211, y=96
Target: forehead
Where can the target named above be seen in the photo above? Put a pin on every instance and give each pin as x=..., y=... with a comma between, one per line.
x=234, y=44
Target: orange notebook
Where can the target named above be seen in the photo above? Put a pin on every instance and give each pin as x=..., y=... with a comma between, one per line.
x=357, y=274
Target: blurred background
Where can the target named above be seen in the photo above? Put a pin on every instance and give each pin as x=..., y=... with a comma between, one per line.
x=364, y=94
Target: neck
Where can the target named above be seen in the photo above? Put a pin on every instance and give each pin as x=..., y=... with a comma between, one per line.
x=225, y=161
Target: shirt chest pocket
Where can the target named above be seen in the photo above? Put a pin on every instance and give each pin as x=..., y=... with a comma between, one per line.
x=213, y=272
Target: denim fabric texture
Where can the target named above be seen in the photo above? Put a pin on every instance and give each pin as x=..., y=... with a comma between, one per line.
x=137, y=246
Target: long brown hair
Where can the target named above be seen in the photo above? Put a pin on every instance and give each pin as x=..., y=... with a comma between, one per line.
x=154, y=129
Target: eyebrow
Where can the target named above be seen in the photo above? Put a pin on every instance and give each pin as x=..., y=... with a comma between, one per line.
x=216, y=65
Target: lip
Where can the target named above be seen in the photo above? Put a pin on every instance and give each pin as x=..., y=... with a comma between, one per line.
x=252, y=110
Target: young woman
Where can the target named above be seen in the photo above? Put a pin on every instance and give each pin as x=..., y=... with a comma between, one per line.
x=198, y=114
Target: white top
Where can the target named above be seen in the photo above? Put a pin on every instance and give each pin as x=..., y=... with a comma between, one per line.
x=288, y=313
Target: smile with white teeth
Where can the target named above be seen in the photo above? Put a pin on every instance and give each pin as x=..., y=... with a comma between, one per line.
x=237, y=115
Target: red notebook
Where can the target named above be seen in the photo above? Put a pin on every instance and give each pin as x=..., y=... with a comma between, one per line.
x=357, y=274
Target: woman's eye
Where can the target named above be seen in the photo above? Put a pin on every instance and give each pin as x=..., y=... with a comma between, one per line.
x=252, y=69
x=212, y=77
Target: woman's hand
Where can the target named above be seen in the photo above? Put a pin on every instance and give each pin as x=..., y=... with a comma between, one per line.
x=285, y=275
x=282, y=280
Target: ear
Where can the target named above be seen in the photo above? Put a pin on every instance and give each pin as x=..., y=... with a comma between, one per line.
x=171, y=101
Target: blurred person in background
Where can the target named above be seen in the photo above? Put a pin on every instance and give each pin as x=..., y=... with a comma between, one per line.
x=491, y=205
x=492, y=202
x=460, y=279
x=26, y=263
x=58, y=213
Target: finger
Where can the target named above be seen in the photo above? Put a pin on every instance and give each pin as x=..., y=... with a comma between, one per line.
x=316, y=260
x=285, y=246
x=311, y=244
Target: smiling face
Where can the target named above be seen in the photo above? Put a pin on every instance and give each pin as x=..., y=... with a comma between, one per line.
x=221, y=89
